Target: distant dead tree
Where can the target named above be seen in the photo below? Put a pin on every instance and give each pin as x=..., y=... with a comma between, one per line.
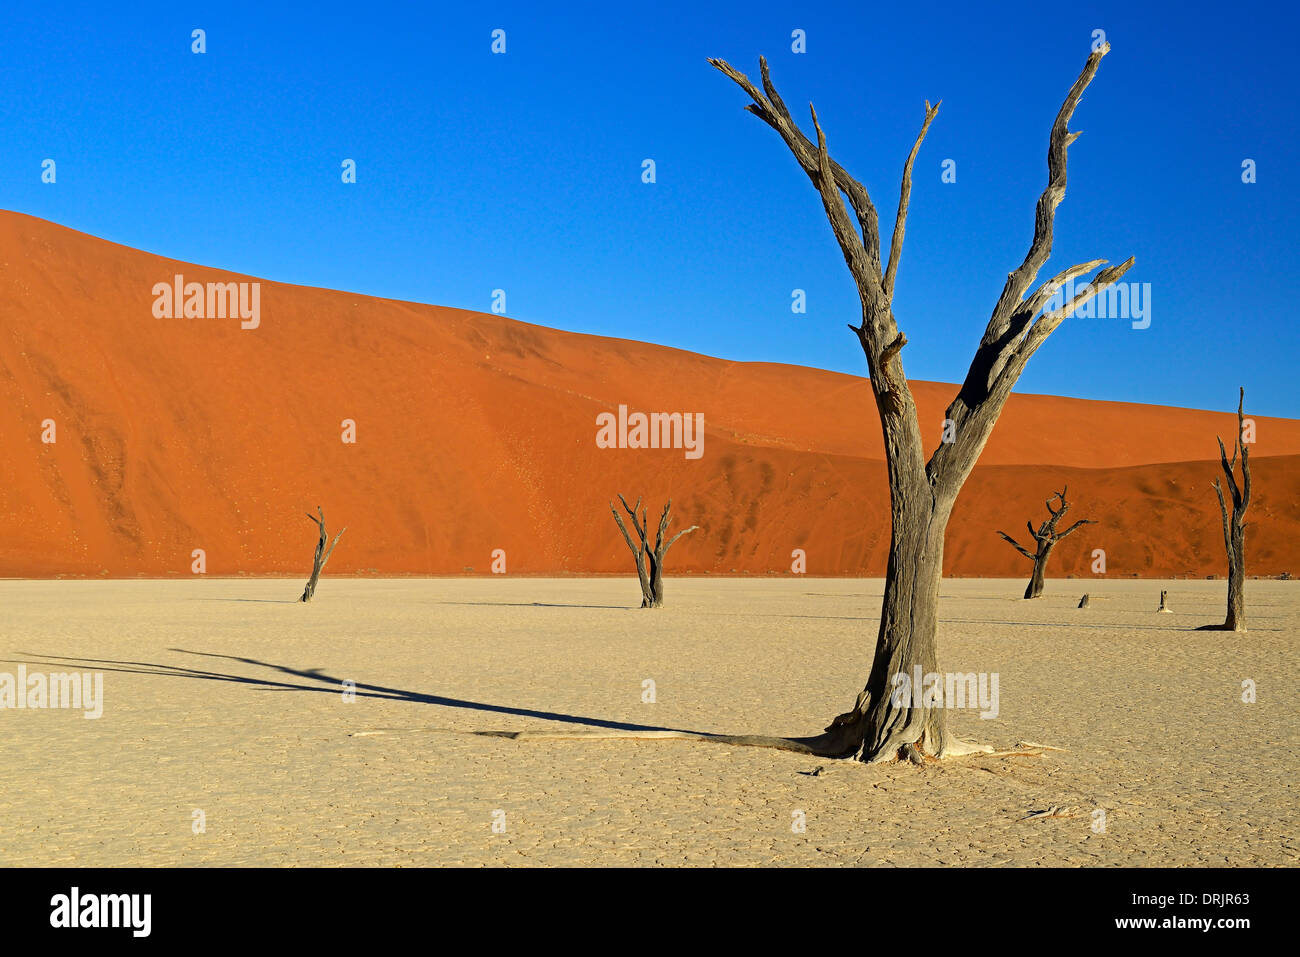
x=1046, y=538
x=321, y=557
x=881, y=725
x=649, y=561
x=1234, y=525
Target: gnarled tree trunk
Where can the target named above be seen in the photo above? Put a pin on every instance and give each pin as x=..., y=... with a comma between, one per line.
x=1046, y=538
x=1234, y=525
x=321, y=556
x=649, y=560
x=882, y=726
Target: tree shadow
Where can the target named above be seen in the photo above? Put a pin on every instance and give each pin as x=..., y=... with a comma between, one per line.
x=530, y=604
x=326, y=684
x=1119, y=626
x=261, y=601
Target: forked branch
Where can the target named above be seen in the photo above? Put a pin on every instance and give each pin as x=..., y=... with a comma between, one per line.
x=1022, y=321
x=904, y=197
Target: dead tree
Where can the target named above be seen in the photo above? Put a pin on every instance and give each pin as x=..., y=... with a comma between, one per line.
x=649, y=561
x=1046, y=538
x=1234, y=525
x=321, y=557
x=880, y=725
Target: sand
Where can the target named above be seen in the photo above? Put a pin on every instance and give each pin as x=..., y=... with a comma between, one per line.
x=477, y=432
x=224, y=696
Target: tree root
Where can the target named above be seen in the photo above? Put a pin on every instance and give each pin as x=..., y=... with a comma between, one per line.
x=1056, y=810
x=956, y=748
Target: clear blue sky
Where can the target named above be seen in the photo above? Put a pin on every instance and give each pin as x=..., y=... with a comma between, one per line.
x=522, y=171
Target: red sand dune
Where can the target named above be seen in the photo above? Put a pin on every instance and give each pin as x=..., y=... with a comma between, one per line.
x=476, y=432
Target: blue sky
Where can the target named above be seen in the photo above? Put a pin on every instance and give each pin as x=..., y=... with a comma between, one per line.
x=522, y=171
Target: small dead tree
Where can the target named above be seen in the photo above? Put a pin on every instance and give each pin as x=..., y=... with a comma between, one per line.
x=1234, y=525
x=881, y=725
x=1046, y=538
x=649, y=561
x=322, y=556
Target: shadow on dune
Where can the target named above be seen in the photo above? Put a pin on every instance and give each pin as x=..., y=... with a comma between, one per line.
x=325, y=684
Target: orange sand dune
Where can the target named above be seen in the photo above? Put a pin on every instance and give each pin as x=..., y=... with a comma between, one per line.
x=476, y=432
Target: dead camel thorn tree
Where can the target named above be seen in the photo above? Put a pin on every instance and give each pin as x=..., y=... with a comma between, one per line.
x=1046, y=538
x=1234, y=525
x=649, y=561
x=922, y=493
x=322, y=556
x=883, y=726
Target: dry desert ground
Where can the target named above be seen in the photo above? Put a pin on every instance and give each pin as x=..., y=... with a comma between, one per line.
x=224, y=696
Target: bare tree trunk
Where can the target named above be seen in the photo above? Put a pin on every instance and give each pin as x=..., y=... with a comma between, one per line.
x=907, y=634
x=881, y=725
x=321, y=556
x=649, y=560
x=1035, y=586
x=1234, y=524
x=1046, y=538
x=655, y=599
x=1235, y=620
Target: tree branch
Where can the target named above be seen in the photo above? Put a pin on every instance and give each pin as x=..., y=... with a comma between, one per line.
x=1019, y=280
x=623, y=528
x=1079, y=524
x=1223, y=514
x=332, y=544
x=641, y=529
x=771, y=109
x=1016, y=545
x=663, y=527
x=1016, y=328
x=904, y=196
x=1245, y=453
x=860, y=248
x=677, y=536
x=856, y=257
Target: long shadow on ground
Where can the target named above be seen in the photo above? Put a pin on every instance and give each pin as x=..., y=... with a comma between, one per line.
x=325, y=684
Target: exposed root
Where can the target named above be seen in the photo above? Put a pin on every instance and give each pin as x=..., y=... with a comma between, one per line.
x=956, y=748
x=913, y=754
